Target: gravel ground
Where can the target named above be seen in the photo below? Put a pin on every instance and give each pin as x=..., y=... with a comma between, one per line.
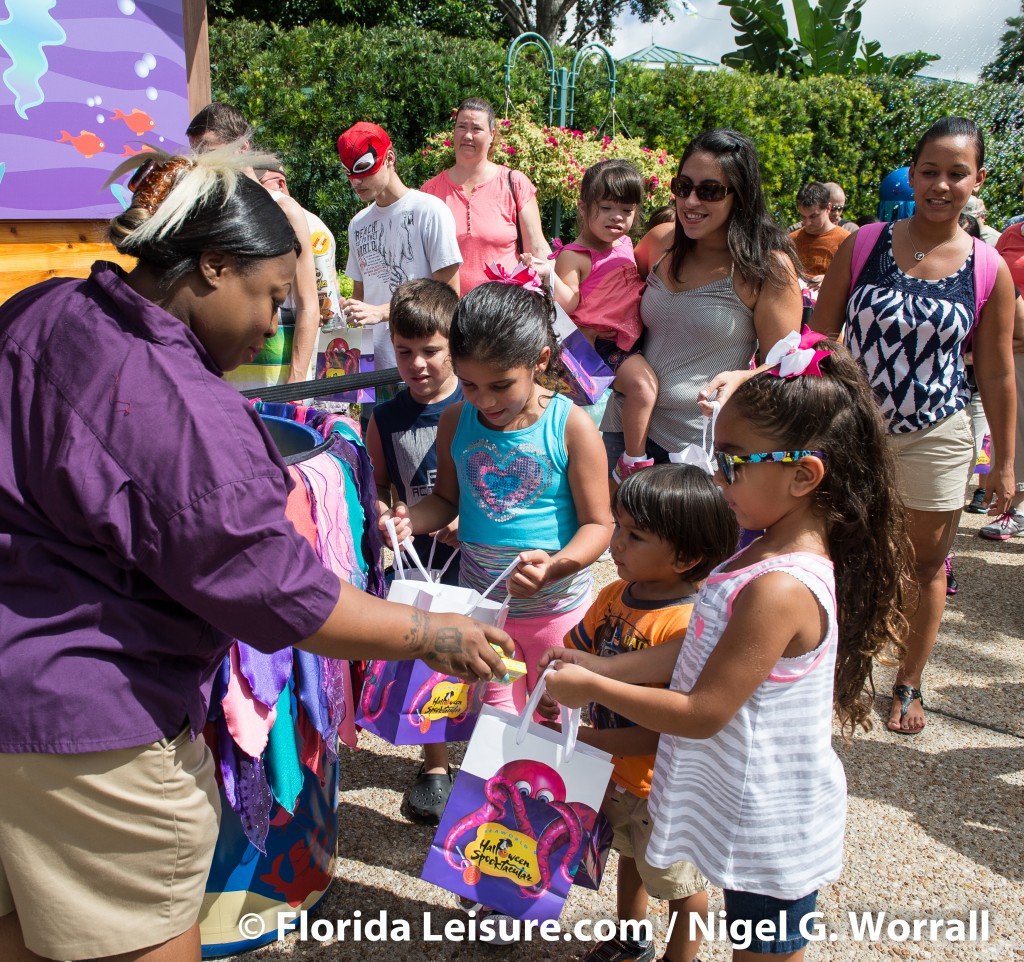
x=934, y=826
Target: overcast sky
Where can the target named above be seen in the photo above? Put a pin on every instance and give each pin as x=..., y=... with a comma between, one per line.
x=965, y=33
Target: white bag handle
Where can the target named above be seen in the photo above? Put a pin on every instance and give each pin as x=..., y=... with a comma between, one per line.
x=704, y=456
x=408, y=547
x=447, y=564
x=570, y=716
x=497, y=581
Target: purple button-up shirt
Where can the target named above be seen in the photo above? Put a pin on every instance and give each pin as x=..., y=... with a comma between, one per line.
x=142, y=523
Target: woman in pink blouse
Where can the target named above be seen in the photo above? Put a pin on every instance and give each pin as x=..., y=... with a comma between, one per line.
x=486, y=198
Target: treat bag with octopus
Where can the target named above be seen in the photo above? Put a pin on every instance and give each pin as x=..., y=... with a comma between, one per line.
x=522, y=814
x=341, y=351
x=407, y=702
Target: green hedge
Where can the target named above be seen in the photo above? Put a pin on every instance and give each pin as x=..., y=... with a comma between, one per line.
x=298, y=88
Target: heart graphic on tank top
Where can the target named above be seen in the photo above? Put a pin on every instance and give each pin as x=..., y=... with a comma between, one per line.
x=505, y=486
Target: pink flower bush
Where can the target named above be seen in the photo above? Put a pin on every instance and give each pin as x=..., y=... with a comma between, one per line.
x=556, y=157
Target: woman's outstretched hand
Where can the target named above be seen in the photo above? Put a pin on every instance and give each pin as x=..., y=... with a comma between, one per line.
x=460, y=646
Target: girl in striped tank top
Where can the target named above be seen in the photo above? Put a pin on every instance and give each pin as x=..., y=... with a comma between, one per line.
x=746, y=784
x=516, y=464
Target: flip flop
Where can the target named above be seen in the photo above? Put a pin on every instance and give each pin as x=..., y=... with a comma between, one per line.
x=906, y=695
x=427, y=797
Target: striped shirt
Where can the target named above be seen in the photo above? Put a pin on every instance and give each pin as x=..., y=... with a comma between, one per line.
x=760, y=806
x=691, y=336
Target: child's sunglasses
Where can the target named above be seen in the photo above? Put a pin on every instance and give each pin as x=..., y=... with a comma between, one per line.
x=727, y=462
x=708, y=190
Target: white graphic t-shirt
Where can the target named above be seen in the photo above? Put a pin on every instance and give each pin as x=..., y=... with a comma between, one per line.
x=410, y=238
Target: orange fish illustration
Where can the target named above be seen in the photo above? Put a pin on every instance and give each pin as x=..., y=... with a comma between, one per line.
x=137, y=121
x=86, y=143
x=128, y=152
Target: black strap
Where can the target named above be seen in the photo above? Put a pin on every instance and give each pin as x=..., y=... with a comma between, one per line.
x=515, y=208
x=325, y=386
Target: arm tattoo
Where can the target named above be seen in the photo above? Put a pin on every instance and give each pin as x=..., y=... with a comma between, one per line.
x=419, y=630
x=449, y=640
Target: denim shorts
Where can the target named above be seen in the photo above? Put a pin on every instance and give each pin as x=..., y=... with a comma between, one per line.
x=782, y=918
x=612, y=354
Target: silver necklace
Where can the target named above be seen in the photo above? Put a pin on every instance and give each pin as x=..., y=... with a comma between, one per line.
x=921, y=255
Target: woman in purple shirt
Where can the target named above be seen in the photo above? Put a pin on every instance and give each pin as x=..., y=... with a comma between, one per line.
x=142, y=527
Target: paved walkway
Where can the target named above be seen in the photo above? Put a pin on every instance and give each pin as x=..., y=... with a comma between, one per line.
x=934, y=828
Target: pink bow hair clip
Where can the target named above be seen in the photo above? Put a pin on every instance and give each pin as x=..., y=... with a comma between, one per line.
x=795, y=355
x=523, y=276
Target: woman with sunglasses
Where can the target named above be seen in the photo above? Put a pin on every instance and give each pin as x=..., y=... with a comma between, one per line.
x=726, y=283
x=142, y=528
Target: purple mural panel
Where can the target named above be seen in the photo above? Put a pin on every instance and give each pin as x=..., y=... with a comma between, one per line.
x=83, y=86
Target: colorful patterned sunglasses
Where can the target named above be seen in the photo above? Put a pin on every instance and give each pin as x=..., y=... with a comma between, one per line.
x=727, y=462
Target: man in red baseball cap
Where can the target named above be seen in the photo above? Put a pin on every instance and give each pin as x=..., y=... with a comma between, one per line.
x=402, y=235
x=363, y=148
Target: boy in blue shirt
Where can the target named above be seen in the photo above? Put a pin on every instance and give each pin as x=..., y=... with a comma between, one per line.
x=401, y=439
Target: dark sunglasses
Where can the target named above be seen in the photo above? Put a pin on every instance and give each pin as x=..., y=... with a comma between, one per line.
x=727, y=462
x=708, y=190
x=838, y=208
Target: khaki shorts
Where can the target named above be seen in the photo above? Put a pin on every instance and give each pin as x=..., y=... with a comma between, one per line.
x=631, y=824
x=935, y=464
x=107, y=852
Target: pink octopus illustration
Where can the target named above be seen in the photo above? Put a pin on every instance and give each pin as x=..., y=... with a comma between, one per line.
x=371, y=684
x=339, y=358
x=508, y=786
x=422, y=698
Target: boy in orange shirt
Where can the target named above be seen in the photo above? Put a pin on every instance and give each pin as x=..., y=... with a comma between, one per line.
x=672, y=526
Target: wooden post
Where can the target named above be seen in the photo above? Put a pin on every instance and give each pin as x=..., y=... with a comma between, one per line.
x=197, y=54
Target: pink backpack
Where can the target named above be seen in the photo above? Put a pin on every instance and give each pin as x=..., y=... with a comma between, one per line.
x=986, y=264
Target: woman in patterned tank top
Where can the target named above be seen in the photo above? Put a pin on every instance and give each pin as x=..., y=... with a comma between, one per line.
x=910, y=316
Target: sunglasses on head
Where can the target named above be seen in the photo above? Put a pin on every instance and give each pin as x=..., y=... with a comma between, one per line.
x=708, y=190
x=727, y=462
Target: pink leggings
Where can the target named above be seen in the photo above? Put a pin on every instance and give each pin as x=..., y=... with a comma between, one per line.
x=533, y=636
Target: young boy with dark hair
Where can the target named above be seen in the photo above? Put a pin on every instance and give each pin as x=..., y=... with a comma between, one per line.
x=672, y=526
x=401, y=439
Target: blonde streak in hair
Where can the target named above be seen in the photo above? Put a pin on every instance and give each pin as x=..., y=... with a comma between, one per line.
x=221, y=166
x=192, y=188
x=134, y=162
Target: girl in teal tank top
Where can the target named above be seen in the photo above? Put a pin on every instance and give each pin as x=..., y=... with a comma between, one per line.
x=520, y=466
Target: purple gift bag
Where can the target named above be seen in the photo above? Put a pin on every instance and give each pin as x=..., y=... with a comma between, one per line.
x=586, y=376
x=408, y=703
x=984, y=462
x=523, y=816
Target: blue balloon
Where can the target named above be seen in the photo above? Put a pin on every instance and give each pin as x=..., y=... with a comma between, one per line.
x=896, y=196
